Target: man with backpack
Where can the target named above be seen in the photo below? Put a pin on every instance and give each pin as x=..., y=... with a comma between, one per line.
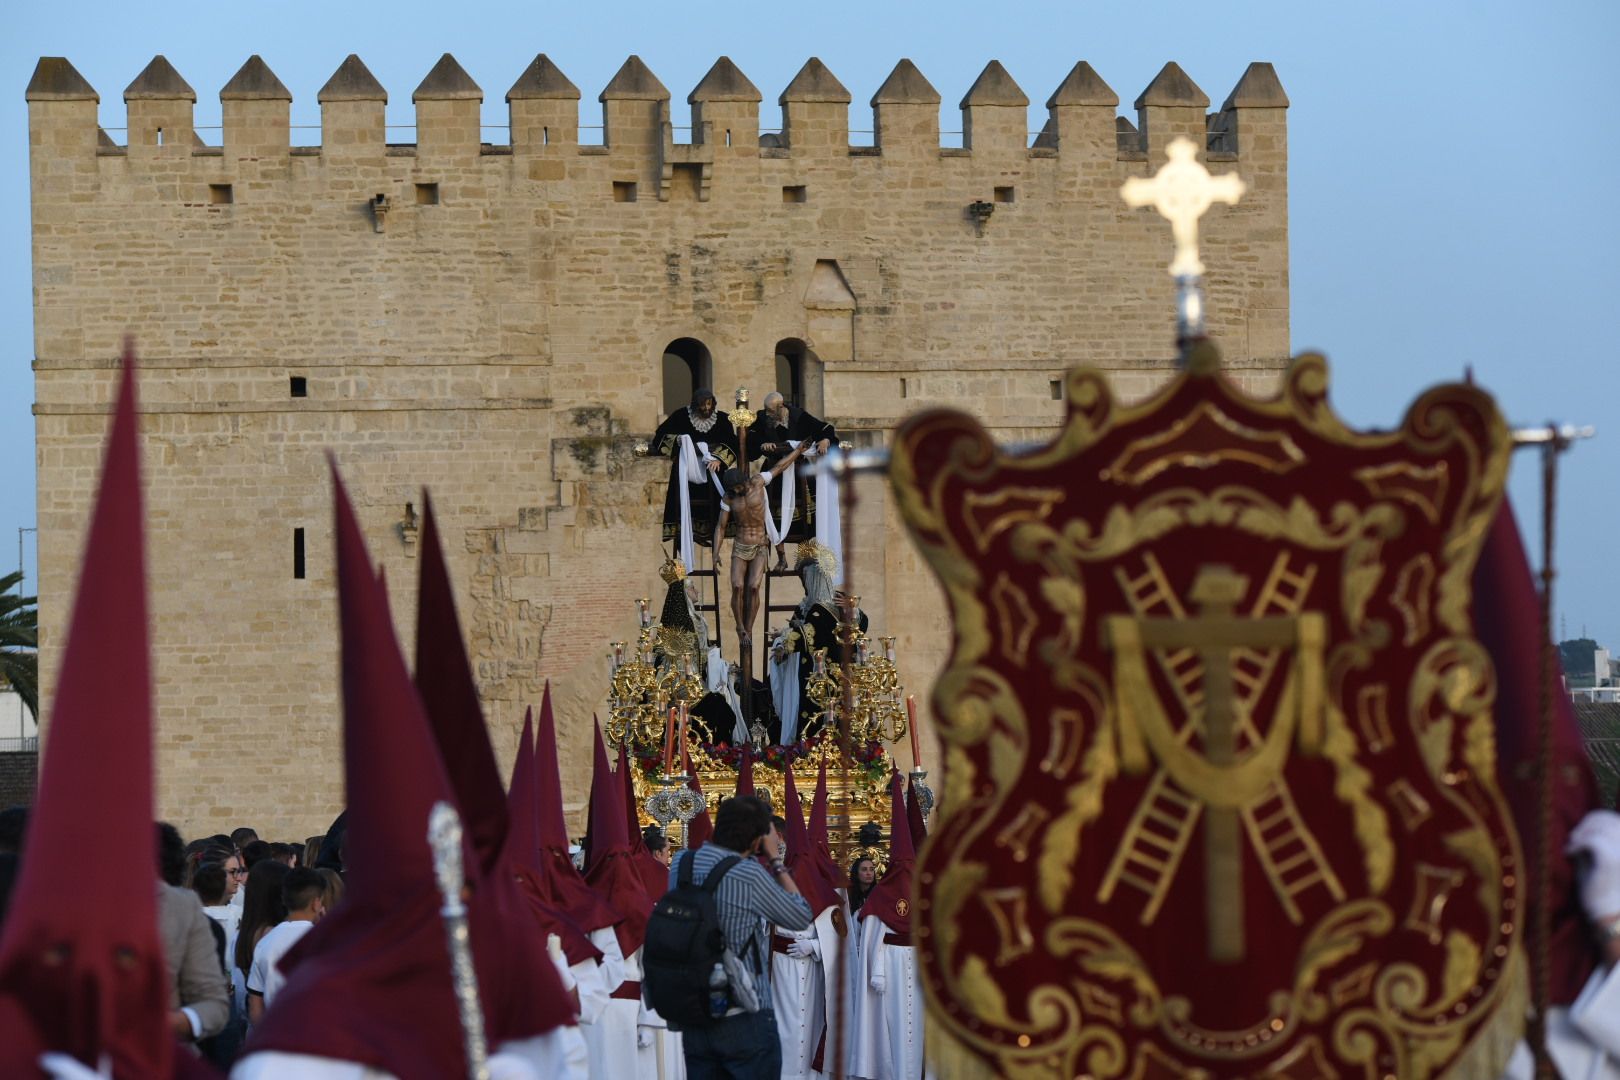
x=706, y=961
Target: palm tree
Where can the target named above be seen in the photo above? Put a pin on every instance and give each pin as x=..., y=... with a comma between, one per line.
x=19, y=641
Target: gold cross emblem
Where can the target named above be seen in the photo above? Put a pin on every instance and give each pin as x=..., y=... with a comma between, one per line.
x=1182, y=191
x=1218, y=777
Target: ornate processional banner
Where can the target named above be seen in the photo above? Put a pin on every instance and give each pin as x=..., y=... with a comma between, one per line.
x=1220, y=792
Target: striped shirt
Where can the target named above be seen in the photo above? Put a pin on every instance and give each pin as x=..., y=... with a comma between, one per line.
x=747, y=900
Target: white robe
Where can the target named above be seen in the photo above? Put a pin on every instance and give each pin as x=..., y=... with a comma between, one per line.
x=610, y=1041
x=663, y=1058
x=887, y=1041
x=1584, y=1039
x=556, y=1054
x=798, y=991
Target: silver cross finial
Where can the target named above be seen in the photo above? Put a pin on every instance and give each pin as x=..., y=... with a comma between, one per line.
x=1182, y=191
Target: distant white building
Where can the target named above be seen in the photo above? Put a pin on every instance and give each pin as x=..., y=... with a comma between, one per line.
x=18, y=728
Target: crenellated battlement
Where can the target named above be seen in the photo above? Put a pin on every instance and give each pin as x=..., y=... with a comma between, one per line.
x=544, y=116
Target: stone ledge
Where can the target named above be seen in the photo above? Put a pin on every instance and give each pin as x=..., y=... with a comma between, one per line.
x=306, y=405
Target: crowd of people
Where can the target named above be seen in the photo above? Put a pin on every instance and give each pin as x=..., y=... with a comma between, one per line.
x=232, y=906
x=375, y=953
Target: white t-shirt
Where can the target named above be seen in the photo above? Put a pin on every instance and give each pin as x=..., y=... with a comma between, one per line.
x=229, y=918
x=265, y=978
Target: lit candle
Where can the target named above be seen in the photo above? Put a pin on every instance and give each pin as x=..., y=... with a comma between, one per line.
x=682, y=735
x=911, y=715
x=669, y=742
x=618, y=655
x=646, y=619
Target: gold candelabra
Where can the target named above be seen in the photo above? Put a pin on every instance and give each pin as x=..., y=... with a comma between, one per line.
x=875, y=711
x=647, y=682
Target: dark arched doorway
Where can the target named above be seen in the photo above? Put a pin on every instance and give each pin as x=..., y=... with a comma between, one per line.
x=798, y=374
x=687, y=366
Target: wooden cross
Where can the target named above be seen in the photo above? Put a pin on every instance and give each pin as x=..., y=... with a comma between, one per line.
x=1182, y=191
x=1213, y=634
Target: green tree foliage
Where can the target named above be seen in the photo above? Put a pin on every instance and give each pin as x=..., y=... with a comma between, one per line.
x=19, y=641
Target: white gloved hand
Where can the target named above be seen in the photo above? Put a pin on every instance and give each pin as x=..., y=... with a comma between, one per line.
x=1598, y=838
x=554, y=947
x=67, y=1067
x=880, y=983
x=804, y=949
x=644, y=1036
x=506, y=1065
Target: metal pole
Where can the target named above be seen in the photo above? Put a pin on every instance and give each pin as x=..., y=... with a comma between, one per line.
x=1541, y=905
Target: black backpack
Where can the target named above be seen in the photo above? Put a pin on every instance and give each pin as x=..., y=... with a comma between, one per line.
x=684, y=942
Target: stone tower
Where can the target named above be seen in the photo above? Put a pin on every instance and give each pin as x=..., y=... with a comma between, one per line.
x=501, y=322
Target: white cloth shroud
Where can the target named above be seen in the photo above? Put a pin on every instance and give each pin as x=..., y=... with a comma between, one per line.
x=829, y=528
x=719, y=682
x=784, y=675
x=692, y=465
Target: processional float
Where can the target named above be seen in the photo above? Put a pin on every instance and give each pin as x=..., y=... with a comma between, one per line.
x=692, y=724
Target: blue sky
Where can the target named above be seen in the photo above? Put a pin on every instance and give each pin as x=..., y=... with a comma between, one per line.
x=1452, y=172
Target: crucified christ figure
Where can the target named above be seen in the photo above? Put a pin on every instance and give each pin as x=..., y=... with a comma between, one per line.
x=751, y=553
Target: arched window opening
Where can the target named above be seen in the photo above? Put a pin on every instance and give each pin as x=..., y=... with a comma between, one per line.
x=686, y=367
x=790, y=353
x=798, y=375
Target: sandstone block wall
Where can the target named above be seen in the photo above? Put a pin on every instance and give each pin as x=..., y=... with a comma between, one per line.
x=496, y=335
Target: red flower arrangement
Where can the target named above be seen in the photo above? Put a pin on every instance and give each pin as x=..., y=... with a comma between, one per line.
x=869, y=757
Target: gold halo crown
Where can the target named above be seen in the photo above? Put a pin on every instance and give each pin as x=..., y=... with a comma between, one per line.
x=672, y=571
x=822, y=555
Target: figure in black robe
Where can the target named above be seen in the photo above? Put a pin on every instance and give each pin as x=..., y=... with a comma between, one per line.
x=706, y=425
x=781, y=424
x=815, y=626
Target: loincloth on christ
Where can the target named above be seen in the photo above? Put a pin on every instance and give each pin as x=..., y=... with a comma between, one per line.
x=748, y=552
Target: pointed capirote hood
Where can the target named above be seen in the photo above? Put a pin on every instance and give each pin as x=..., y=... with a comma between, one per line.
x=444, y=679
x=819, y=838
x=890, y=899
x=1507, y=620
x=564, y=885
x=82, y=969
x=807, y=872
x=627, y=787
x=522, y=852
x=745, y=772
x=914, y=814
x=654, y=874
x=701, y=827
x=610, y=869
x=372, y=982
x=506, y=945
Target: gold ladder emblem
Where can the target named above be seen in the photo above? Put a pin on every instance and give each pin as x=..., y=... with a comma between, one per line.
x=1162, y=826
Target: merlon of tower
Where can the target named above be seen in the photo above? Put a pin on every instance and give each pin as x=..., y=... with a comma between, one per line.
x=1172, y=87
x=905, y=86
x=815, y=82
x=724, y=82
x=448, y=81
x=1082, y=86
x=158, y=81
x=254, y=81
x=1259, y=88
x=634, y=81
x=543, y=79
x=352, y=81
x=57, y=80
x=994, y=87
